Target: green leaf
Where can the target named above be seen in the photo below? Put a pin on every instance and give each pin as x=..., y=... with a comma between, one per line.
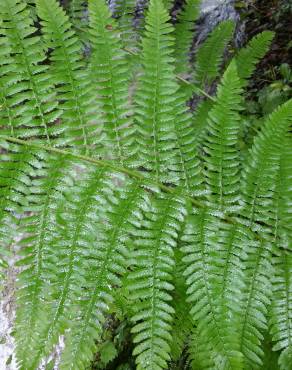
x=27, y=96
x=155, y=96
x=150, y=282
x=69, y=74
x=111, y=81
x=210, y=54
x=249, y=56
x=107, y=352
x=184, y=34
x=221, y=153
x=217, y=337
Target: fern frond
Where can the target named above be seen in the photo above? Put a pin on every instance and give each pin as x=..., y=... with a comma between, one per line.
x=71, y=252
x=110, y=72
x=127, y=205
x=182, y=326
x=76, y=11
x=197, y=358
x=125, y=13
x=226, y=276
x=69, y=74
x=258, y=191
x=8, y=77
x=31, y=7
x=233, y=245
x=260, y=172
x=257, y=294
x=111, y=166
x=210, y=54
x=150, y=282
x=282, y=198
x=155, y=96
x=184, y=34
x=190, y=171
x=281, y=311
x=200, y=120
x=29, y=107
x=221, y=151
x=37, y=260
x=16, y=167
x=168, y=4
x=216, y=337
x=106, y=267
x=167, y=139
x=249, y=56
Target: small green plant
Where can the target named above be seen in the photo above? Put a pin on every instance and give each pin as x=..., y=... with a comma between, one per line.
x=277, y=92
x=132, y=206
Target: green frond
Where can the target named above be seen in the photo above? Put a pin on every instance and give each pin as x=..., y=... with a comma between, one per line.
x=221, y=153
x=257, y=294
x=168, y=4
x=248, y=57
x=281, y=311
x=111, y=81
x=182, y=325
x=71, y=252
x=31, y=7
x=246, y=60
x=282, y=197
x=197, y=358
x=167, y=140
x=76, y=11
x=75, y=8
x=107, y=265
x=37, y=253
x=190, y=170
x=259, y=186
x=28, y=103
x=155, y=96
x=225, y=269
x=228, y=265
x=16, y=167
x=184, y=34
x=7, y=73
x=203, y=247
x=150, y=282
x=8, y=77
x=128, y=210
x=124, y=12
x=210, y=54
x=68, y=72
x=260, y=171
x=200, y=120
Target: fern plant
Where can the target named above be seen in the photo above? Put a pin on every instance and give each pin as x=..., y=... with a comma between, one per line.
x=128, y=202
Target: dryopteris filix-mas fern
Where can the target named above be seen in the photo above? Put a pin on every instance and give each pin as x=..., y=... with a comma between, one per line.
x=125, y=197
